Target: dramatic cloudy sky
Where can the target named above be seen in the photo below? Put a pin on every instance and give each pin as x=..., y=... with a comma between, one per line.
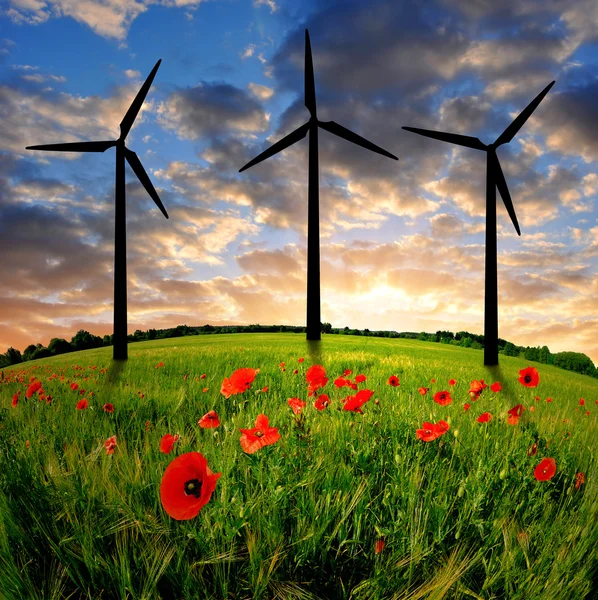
x=402, y=243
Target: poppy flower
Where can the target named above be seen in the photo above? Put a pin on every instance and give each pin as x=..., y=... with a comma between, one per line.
x=258, y=437
x=160, y=364
x=452, y=382
x=203, y=376
x=239, y=381
x=529, y=377
x=423, y=391
x=109, y=408
x=265, y=389
x=431, y=431
x=209, y=420
x=347, y=372
x=496, y=387
x=432, y=380
x=296, y=404
x=394, y=381
x=443, y=398
x=34, y=387
x=582, y=402
x=295, y=371
x=354, y=403
x=548, y=399
x=281, y=365
x=380, y=546
x=110, y=444
x=484, y=417
x=15, y=400
x=187, y=486
x=517, y=410
x=513, y=420
x=205, y=390
x=322, y=402
x=82, y=404
x=315, y=378
x=360, y=378
x=476, y=388
x=74, y=386
x=466, y=406
x=340, y=382
x=532, y=450
x=167, y=443
x=545, y=470
x=580, y=479
x=301, y=360
x=532, y=408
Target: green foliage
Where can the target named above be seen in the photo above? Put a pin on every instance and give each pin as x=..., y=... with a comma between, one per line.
x=59, y=346
x=511, y=350
x=575, y=361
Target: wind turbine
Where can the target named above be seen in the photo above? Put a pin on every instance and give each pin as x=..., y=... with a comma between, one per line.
x=494, y=179
x=120, y=238
x=313, y=199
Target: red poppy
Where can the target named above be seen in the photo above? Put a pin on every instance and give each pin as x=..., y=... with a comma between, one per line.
x=443, y=398
x=258, y=437
x=209, y=420
x=34, y=387
x=239, y=381
x=545, y=470
x=265, y=389
x=296, y=404
x=580, y=479
x=74, y=386
x=516, y=410
x=340, y=382
x=537, y=398
x=582, y=402
x=360, y=378
x=322, y=402
x=394, y=381
x=442, y=427
x=82, y=404
x=466, y=406
x=109, y=408
x=496, y=387
x=548, y=399
x=423, y=391
x=160, y=364
x=380, y=546
x=432, y=380
x=295, y=371
x=301, y=360
x=281, y=365
x=354, y=403
x=476, y=388
x=110, y=444
x=529, y=377
x=484, y=417
x=532, y=450
x=532, y=408
x=187, y=485
x=452, y=382
x=315, y=378
x=347, y=372
x=15, y=400
x=203, y=376
x=167, y=443
x=513, y=420
x=431, y=431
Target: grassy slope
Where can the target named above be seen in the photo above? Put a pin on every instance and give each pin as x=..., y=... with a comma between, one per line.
x=462, y=516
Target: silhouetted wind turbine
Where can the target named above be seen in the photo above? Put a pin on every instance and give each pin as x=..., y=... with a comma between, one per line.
x=120, y=237
x=494, y=179
x=313, y=198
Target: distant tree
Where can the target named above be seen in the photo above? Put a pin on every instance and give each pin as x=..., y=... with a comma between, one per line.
x=151, y=334
x=107, y=340
x=356, y=332
x=83, y=340
x=29, y=352
x=59, y=346
x=326, y=327
x=544, y=355
x=40, y=352
x=574, y=361
x=476, y=345
x=423, y=336
x=139, y=335
x=13, y=356
x=466, y=342
x=511, y=350
x=532, y=353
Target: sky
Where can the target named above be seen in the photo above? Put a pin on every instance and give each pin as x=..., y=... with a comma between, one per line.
x=402, y=243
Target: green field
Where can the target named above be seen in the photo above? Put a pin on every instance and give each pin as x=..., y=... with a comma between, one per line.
x=461, y=516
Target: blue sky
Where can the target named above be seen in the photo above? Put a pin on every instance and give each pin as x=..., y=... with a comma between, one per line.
x=402, y=244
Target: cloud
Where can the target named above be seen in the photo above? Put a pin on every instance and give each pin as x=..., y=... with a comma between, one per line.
x=132, y=74
x=211, y=109
x=269, y=3
x=261, y=92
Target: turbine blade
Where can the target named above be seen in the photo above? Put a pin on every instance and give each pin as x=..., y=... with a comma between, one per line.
x=310, y=86
x=137, y=167
x=509, y=133
x=287, y=141
x=348, y=135
x=75, y=147
x=499, y=179
x=129, y=118
x=453, y=138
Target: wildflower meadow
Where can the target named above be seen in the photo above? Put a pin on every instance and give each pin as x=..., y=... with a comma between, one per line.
x=261, y=466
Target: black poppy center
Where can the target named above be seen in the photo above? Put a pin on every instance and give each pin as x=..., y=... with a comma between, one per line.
x=193, y=488
x=528, y=379
x=259, y=434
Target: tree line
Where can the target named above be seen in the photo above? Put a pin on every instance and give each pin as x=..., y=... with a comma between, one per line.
x=83, y=340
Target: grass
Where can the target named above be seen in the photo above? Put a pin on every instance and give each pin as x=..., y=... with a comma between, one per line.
x=462, y=516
